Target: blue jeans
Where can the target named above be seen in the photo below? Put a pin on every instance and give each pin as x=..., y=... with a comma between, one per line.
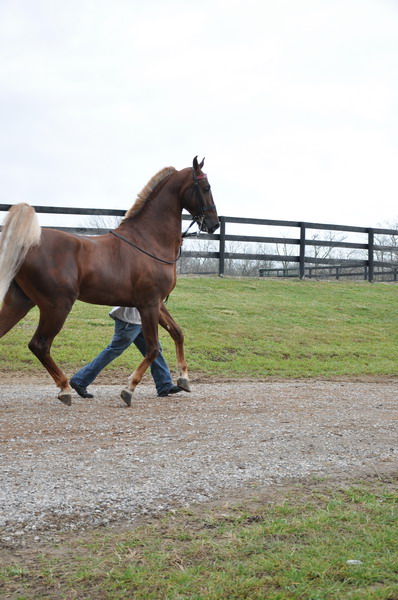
x=124, y=335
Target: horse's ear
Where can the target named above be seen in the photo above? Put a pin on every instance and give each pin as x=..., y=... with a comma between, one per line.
x=197, y=166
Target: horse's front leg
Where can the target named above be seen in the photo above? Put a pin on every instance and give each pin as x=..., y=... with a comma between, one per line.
x=175, y=331
x=150, y=320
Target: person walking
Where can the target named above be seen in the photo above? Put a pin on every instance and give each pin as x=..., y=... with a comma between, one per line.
x=128, y=330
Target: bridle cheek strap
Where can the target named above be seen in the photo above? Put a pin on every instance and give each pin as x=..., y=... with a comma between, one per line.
x=196, y=189
x=200, y=216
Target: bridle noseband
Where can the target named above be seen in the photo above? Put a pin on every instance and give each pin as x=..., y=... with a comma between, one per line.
x=202, y=209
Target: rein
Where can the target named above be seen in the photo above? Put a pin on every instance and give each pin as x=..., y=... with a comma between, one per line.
x=168, y=262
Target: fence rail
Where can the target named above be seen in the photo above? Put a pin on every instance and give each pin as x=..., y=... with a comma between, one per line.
x=336, y=272
x=306, y=264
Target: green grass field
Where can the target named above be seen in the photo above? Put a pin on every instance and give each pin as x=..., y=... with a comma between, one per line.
x=251, y=328
x=295, y=548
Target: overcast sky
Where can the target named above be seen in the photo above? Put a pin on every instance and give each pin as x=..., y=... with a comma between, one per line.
x=294, y=103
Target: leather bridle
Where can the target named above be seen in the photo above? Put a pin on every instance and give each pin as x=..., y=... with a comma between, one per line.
x=202, y=209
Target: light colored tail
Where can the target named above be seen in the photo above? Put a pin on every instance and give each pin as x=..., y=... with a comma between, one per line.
x=21, y=231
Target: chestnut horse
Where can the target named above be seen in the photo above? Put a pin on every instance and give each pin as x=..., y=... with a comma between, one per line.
x=133, y=265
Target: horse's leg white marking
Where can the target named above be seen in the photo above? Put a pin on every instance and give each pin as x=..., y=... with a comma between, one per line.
x=183, y=373
x=133, y=381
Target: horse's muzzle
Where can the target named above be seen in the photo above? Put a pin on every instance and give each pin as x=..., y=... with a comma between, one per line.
x=210, y=227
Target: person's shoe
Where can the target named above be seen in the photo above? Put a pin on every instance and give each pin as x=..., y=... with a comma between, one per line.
x=174, y=389
x=82, y=391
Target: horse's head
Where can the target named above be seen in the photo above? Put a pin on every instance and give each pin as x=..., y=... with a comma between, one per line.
x=199, y=200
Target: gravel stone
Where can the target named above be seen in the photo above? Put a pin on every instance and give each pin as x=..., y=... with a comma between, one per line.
x=99, y=462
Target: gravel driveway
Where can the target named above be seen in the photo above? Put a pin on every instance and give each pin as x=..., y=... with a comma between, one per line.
x=99, y=462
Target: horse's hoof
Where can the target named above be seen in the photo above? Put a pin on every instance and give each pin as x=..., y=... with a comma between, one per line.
x=127, y=396
x=65, y=398
x=183, y=383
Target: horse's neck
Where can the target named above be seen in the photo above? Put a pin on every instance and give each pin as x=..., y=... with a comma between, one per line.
x=159, y=218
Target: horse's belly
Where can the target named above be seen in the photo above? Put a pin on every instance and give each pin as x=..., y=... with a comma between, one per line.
x=128, y=290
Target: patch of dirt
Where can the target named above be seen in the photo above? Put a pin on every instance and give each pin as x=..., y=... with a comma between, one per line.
x=99, y=463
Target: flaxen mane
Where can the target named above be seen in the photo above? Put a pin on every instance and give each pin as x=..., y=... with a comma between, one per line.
x=144, y=194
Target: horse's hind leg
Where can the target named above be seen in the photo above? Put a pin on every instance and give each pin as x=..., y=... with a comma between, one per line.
x=168, y=323
x=15, y=306
x=50, y=324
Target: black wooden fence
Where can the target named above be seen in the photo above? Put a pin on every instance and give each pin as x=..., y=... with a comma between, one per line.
x=303, y=262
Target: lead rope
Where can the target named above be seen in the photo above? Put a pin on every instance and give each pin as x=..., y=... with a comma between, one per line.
x=168, y=262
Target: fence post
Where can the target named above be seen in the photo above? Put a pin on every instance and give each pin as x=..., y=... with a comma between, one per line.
x=221, y=248
x=302, y=250
x=370, y=254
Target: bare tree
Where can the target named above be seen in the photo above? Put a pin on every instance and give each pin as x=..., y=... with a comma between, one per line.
x=198, y=264
x=389, y=245
x=321, y=251
x=285, y=249
x=103, y=222
x=247, y=267
x=232, y=266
